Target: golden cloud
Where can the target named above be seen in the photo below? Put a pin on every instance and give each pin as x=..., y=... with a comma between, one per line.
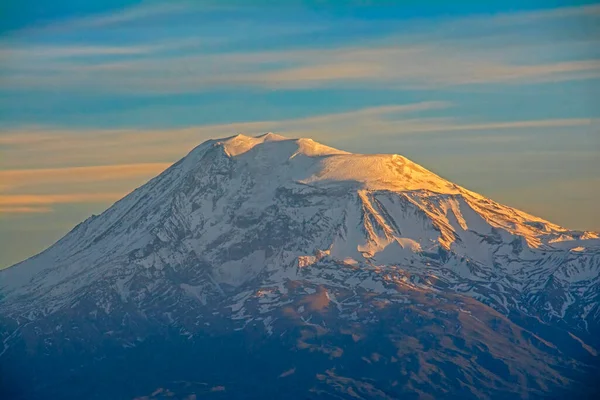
x=24, y=200
x=24, y=210
x=33, y=177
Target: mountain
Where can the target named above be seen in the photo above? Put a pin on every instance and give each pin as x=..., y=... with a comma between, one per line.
x=267, y=267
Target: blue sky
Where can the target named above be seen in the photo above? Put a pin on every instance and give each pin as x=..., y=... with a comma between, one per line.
x=96, y=97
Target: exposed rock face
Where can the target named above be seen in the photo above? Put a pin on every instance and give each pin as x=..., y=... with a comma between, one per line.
x=260, y=266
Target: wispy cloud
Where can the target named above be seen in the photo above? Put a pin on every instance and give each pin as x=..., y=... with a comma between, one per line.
x=148, y=9
x=423, y=67
x=537, y=15
x=26, y=191
x=545, y=123
x=127, y=15
x=12, y=210
x=34, y=179
x=54, y=51
x=463, y=51
x=21, y=200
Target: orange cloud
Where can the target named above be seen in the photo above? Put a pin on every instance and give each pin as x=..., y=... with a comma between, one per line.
x=32, y=177
x=25, y=191
x=24, y=210
x=327, y=72
x=25, y=200
x=544, y=123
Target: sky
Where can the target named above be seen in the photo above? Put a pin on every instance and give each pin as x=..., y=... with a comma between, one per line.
x=501, y=97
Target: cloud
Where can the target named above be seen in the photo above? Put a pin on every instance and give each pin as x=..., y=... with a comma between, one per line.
x=423, y=67
x=148, y=9
x=24, y=210
x=546, y=14
x=545, y=123
x=479, y=50
x=319, y=73
x=127, y=15
x=25, y=138
x=314, y=121
x=148, y=16
x=27, y=191
x=14, y=179
x=20, y=200
x=54, y=51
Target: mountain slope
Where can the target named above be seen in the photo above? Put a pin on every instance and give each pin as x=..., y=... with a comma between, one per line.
x=311, y=247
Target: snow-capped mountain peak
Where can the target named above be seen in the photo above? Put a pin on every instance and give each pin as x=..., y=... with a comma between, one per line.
x=238, y=220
